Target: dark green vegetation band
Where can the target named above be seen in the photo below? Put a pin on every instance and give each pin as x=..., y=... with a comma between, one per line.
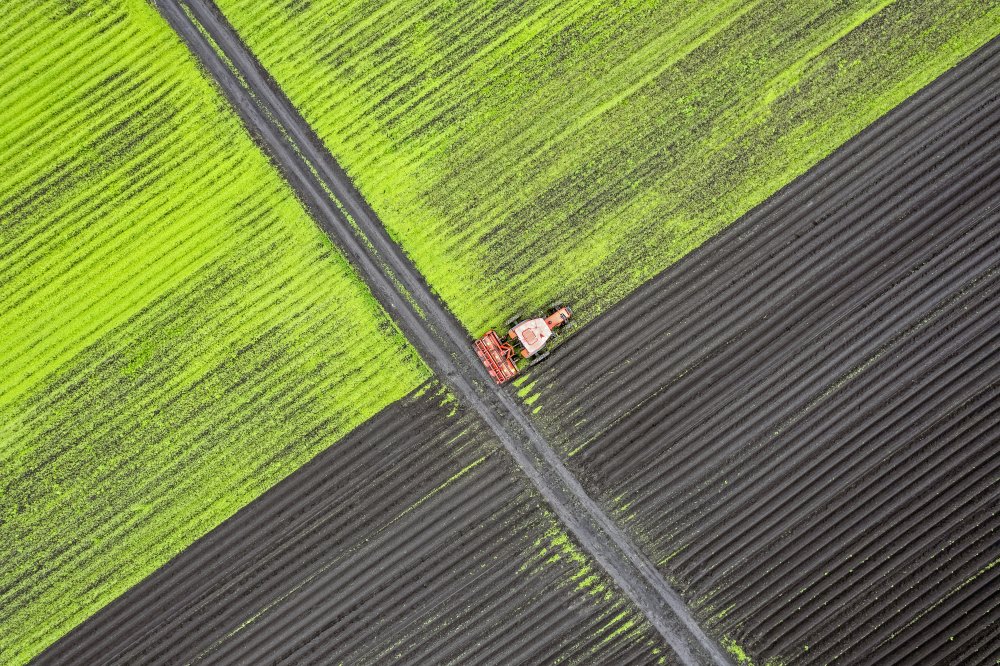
x=800, y=420
x=413, y=540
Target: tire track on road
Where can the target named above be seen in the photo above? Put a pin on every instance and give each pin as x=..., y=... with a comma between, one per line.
x=435, y=333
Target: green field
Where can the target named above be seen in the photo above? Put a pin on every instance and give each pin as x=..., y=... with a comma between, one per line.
x=177, y=334
x=522, y=152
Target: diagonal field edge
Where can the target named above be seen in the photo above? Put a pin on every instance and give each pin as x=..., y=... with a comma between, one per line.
x=441, y=341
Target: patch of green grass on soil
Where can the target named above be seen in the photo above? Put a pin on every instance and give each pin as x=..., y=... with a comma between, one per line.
x=521, y=152
x=177, y=334
x=556, y=549
x=740, y=655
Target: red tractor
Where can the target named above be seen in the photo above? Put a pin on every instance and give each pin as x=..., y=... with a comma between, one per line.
x=523, y=340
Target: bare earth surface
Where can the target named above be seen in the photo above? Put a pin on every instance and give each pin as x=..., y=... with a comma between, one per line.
x=800, y=420
x=413, y=540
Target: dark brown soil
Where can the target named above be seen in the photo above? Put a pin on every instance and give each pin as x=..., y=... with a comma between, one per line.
x=376, y=552
x=800, y=422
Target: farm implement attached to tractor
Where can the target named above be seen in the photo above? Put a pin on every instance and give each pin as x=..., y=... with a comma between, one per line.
x=523, y=340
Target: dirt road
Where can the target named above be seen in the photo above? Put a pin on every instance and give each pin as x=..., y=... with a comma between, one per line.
x=437, y=336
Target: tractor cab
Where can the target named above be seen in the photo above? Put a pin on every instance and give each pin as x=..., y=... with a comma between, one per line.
x=523, y=340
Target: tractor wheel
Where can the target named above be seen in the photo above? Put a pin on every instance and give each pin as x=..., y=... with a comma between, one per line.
x=538, y=359
x=516, y=319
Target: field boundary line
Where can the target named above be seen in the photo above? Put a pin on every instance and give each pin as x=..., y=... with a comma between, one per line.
x=442, y=342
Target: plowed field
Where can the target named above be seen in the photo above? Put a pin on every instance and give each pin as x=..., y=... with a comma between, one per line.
x=412, y=540
x=523, y=151
x=800, y=420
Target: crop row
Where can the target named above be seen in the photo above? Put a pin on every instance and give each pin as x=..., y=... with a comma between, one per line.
x=177, y=334
x=525, y=151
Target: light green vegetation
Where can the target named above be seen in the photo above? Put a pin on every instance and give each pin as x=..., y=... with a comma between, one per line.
x=555, y=546
x=529, y=398
x=741, y=656
x=526, y=151
x=177, y=334
x=734, y=648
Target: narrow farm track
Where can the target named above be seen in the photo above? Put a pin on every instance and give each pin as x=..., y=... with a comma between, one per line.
x=802, y=425
x=414, y=537
x=428, y=325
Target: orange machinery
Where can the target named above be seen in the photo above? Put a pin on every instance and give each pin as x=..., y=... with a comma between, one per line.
x=524, y=339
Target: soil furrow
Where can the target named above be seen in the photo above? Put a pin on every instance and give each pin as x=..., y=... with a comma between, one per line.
x=802, y=419
x=742, y=256
x=985, y=350
x=750, y=340
x=430, y=558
